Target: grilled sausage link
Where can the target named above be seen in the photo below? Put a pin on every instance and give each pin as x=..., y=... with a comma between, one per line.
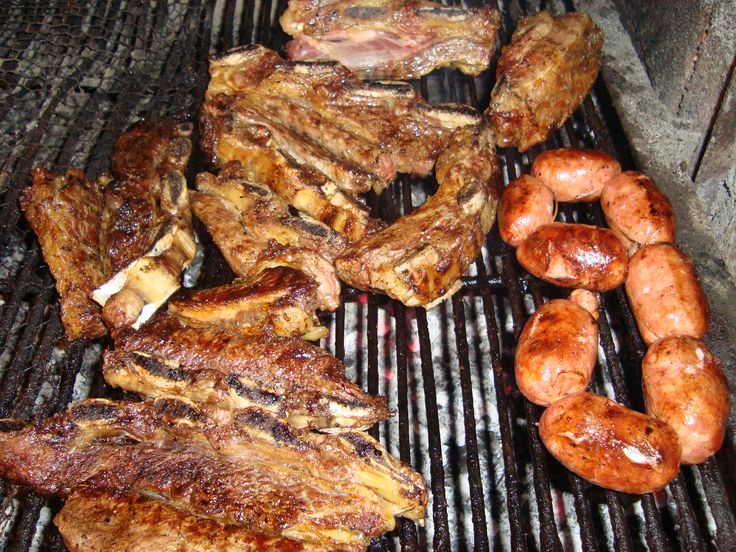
x=637, y=212
x=685, y=387
x=557, y=352
x=665, y=295
x=526, y=204
x=575, y=256
x=575, y=175
x=609, y=444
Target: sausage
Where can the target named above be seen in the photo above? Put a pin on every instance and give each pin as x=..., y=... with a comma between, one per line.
x=665, y=295
x=575, y=256
x=637, y=211
x=575, y=174
x=609, y=444
x=526, y=204
x=557, y=352
x=589, y=300
x=685, y=387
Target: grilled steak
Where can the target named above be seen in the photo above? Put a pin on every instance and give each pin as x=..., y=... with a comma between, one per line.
x=420, y=258
x=112, y=524
x=64, y=212
x=254, y=472
x=281, y=300
x=227, y=371
x=395, y=39
x=542, y=76
x=322, y=118
x=146, y=230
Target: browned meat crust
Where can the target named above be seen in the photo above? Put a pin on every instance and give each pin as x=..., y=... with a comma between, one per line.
x=228, y=371
x=281, y=300
x=108, y=523
x=320, y=116
x=395, y=39
x=542, y=76
x=64, y=212
x=254, y=472
x=419, y=259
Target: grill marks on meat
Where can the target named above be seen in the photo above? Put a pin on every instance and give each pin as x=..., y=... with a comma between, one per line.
x=228, y=372
x=146, y=228
x=320, y=117
x=112, y=524
x=420, y=258
x=64, y=212
x=542, y=76
x=281, y=300
x=391, y=38
x=254, y=472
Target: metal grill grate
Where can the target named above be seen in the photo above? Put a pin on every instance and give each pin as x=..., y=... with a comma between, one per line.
x=73, y=76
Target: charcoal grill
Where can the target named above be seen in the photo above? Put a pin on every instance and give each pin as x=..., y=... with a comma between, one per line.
x=74, y=75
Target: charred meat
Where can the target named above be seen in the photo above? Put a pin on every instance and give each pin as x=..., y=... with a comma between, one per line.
x=227, y=372
x=393, y=39
x=420, y=258
x=281, y=300
x=322, y=118
x=64, y=212
x=107, y=523
x=542, y=76
x=146, y=230
x=255, y=472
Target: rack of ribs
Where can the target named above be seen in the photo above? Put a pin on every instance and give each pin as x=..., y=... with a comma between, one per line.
x=254, y=472
x=420, y=258
x=227, y=371
x=391, y=39
x=321, y=118
x=146, y=229
x=542, y=76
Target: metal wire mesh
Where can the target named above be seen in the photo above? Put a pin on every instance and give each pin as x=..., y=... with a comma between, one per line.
x=74, y=75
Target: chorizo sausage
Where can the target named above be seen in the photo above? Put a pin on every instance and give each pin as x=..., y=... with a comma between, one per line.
x=575, y=175
x=526, y=204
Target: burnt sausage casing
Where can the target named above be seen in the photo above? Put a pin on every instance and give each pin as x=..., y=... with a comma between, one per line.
x=685, y=387
x=526, y=204
x=575, y=175
x=665, y=295
x=557, y=352
x=575, y=256
x=637, y=212
x=609, y=444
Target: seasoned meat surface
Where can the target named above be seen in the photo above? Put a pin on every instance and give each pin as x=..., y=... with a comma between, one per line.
x=64, y=212
x=395, y=39
x=419, y=259
x=229, y=371
x=282, y=300
x=322, y=118
x=107, y=523
x=542, y=76
x=254, y=472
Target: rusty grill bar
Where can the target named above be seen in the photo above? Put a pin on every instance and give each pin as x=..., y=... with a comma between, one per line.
x=74, y=76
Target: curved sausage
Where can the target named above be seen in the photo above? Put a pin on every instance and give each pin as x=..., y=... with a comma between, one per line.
x=526, y=204
x=637, y=211
x=575, y=256
x=557, y=352
x=575, y=175
x=665, y=295
x=685, y=387
x=609, y=444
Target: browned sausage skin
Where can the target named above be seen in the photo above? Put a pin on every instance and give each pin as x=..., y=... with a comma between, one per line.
x=665, y=295
x=557, y=352
x=526, y=204
x=575, y=256
x=575, y=175
x=609, y=444
x=685, y=387
x=637, y=211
